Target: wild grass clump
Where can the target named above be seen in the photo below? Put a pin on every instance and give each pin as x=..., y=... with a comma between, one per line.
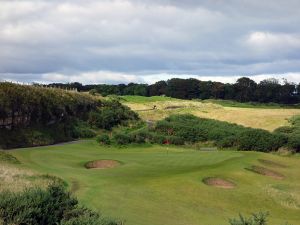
x=8, y=158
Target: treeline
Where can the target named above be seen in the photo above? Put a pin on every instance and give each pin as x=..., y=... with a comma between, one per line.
x=34, y=115
x=244, y=90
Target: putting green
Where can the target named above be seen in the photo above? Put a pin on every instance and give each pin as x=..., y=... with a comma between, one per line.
x=163, y=185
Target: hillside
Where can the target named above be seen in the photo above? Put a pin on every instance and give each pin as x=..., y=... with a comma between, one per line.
x=268, y=117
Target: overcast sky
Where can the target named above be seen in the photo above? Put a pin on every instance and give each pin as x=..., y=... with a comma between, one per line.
x=121, y=41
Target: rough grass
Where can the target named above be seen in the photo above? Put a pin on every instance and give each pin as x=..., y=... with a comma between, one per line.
x=163, y=185
x=14, y=177
x=268, y=118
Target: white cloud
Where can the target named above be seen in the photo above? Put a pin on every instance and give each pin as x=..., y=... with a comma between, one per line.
x=267, y=40
x=93, y=77
x=142, y=37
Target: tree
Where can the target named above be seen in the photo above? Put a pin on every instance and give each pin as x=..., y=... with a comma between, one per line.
x=245, y=89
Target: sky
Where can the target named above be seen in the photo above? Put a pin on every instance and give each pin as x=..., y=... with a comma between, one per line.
x=144, y=41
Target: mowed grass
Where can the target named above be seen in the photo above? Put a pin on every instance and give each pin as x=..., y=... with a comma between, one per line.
x=163, y=185
x=268, y=118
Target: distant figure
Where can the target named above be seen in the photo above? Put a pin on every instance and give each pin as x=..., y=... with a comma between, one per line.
x=154, y=107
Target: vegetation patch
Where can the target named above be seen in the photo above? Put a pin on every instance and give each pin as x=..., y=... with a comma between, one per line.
x=219, y=182
x=271, y=163
x=6, y=157
x=266, y=172
x=102, y=164
x=174, y=107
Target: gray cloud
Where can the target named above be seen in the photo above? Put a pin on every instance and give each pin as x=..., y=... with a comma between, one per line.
x=136, y=38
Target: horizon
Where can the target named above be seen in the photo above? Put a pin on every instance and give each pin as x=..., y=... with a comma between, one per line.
x=142, y=41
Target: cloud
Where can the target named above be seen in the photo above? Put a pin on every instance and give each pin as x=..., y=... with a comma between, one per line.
x=142, y=37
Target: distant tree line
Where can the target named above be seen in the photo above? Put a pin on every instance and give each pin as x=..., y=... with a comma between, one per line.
x=244, y=90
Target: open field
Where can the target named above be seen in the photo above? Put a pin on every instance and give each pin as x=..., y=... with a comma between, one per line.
x=267, y=117
x=164, y=185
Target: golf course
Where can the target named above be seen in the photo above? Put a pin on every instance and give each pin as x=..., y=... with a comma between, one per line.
x=166, y=185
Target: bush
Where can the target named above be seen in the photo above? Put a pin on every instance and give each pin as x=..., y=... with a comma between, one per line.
x=294, y=142
x=260, y=140
x=140, y=136
x=174, y=140
x=35, y=206
x=110, y=114
x=157, y=138
x=52, y=206
x=284, y=130
x=103, y=139
x=122, y=138
x=86, y=133
x=227, y=142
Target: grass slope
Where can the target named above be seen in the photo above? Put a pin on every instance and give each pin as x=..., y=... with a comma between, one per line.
x=163, y=185
x=267, y=117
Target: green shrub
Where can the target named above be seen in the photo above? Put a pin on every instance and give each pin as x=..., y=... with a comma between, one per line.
x=227, y=142
x=110, y=114
x=87, y=133
x=294, y=142
x=35, y=206
x=157, y=138
x=52, y=206
x=260, y=140
x=192, y=129
x=174, y=140
x=284, y=130
x=140, y=136
x=122, y=138
x=103, y=139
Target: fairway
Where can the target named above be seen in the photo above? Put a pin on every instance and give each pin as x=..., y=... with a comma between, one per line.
x=159, y=185
x=256, y=116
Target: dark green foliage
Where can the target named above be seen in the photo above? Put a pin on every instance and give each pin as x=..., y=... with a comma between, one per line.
x=34, y=116
x=84, y=216
x=227, y=142
x=256, y=219
x=156, y=138
x=192, y=129
x=284, y=130
x=260, y=140
x=35, y=206
x=103, y=139
x=52, y=206
x=294, y=142
x=292, y=133
x=244, y=90
x=81, y=129
x=189, y=129
x=122, y=138
x=174, y=140
x=111, y=113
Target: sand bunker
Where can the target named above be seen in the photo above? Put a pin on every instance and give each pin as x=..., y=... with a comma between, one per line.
x=266, y=172
x=218, y=182
x=102, y=164
x=271, y=163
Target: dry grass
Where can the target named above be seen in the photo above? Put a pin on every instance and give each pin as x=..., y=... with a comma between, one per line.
x=13, y=178
x=268, y=119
